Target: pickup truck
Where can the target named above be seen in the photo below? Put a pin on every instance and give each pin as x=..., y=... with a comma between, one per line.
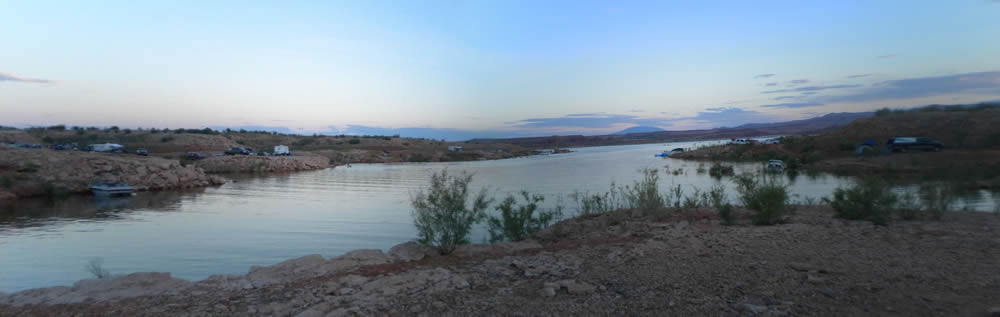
x=910, y=143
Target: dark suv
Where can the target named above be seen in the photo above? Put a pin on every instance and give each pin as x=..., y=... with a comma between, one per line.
x=905, y=144
x=239, y=151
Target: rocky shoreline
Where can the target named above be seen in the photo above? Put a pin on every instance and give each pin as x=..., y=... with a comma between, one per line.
x=41, y=172
x=262, y=164
x=607, y=264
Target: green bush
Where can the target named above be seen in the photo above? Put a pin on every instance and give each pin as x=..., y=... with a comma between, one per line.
x=716, y=197
x=166, y=139
x=516, y=222
x=645, y=194
x=768, y=199
x=443, y=214
x=354, y=141
x=869, y=198
x=718, y=170
x=726, y=214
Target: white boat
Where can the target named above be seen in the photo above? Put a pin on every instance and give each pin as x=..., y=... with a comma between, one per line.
x=112, y=189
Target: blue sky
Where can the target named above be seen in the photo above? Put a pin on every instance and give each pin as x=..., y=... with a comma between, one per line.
x=486, y=68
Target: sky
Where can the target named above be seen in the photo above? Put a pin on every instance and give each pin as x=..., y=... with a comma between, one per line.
x=463, y=69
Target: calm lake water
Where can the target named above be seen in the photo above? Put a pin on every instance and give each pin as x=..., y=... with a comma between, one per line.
x=265, y=220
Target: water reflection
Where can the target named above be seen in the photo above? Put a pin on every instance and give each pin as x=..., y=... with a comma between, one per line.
x=42, y=211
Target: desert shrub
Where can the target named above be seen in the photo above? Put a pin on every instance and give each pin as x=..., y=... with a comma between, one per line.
x=644, y=194
x=96, y=268
x=908, y=206
x=166, y=139
x=765, y=196
x=304, y=142
x=515, y=222
x=726, y=214
x=938, y=198
x=717, y=196
x=718, y=170
x=701, y=169
x=869, y=198
x=694, y=200
x=354, y=141
x=444, y=213
x=675, y=196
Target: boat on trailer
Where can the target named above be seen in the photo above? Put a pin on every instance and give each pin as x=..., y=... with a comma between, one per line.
x=112, y=189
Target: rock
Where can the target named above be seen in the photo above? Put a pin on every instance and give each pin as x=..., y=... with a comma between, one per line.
x=548, y=291
x=298, y=268
x=754, y=308
x=410, y=251
x=99, y=290
x=439, y=305
x=815, y=279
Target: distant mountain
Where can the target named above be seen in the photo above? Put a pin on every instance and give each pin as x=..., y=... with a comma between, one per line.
x=638, y=129
x=817, y=123
x=797, y=127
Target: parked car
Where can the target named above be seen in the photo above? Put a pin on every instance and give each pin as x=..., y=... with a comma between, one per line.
x=912, y=143
x=239, y=151
x=142, y=152
x=194, y=156
x=739, y=141
x=771, y=141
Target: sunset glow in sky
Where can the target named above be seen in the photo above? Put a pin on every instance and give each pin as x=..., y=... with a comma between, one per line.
x=486, y=68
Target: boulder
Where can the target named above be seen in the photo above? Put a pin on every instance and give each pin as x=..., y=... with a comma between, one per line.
x=410, y=251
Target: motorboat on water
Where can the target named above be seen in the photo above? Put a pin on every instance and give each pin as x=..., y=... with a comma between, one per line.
x=669, y=153
x=112, y=189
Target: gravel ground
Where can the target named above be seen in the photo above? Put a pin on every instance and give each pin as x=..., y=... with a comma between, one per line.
x=617, y=264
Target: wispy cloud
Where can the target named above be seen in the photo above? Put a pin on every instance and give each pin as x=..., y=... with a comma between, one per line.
x=986, y=83
x=888, y=56
x=809, y=88
x=797, y=82
x=787, y=97
x=793, y=105
x=727, y=117
x=9, y=77
x=764, y=76
x=771, y=84
x=594, y=121
x=859, y=75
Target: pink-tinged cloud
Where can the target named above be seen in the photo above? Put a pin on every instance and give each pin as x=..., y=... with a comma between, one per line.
x=9, y=77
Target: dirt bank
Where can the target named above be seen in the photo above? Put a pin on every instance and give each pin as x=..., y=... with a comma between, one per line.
x=610, y=264
x=262, y=164
x=34, y=172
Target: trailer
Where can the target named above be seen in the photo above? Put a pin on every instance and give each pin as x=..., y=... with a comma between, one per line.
x=281, y=150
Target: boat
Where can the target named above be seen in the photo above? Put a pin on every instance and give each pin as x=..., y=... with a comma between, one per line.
x=112, y=189
x=668, y=153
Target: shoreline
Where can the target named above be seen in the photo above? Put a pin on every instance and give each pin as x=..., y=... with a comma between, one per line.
x=596, y=264
x=45, y=172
